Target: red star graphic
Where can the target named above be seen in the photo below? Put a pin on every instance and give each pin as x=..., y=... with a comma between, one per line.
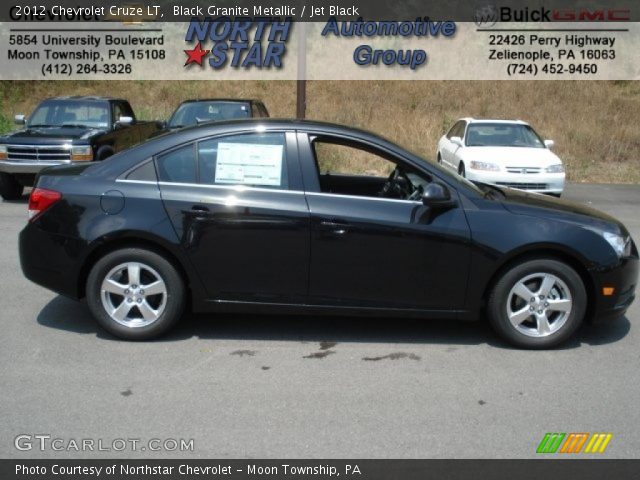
x=195, y=55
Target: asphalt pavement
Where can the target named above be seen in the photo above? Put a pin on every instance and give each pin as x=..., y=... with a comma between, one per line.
x=249, y=386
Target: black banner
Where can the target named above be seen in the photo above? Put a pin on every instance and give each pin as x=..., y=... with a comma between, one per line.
x=583, y=469
x=479, y=11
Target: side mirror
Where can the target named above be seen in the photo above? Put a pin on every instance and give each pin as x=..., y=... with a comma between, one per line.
x=20, y=119
x=436, y=195
x=457, y=141
x=549, y=144
x=124, y=121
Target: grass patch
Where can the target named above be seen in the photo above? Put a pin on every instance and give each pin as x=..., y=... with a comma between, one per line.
x=596, y=138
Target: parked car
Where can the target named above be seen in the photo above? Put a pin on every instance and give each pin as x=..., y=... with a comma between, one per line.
x=289, y=216
x=193, y=112
x=507, y=153
x=64, y=130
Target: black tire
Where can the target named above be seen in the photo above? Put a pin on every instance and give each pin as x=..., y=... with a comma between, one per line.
x=174, y=302
x=103, y=153
x=461, y=170
x=568, y=323
x=10, y=188
x=439, y=158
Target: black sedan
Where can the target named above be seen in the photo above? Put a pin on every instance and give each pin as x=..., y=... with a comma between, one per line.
x=303, y=217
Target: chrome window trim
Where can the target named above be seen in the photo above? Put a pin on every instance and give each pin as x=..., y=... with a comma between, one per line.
x=126, y=180
x=235, y=188
x=242, y=188
x=358, y=197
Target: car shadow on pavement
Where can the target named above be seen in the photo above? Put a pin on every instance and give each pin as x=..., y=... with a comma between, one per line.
x=23, y=199
x=68, y=315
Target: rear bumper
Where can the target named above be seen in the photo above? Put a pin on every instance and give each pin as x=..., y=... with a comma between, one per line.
x=50, y=260
x=624, y=279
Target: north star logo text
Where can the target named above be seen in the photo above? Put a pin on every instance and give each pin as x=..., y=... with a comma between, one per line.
x=242, y=43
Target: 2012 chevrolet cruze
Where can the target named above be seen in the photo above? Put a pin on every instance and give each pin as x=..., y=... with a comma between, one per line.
x=294, y=217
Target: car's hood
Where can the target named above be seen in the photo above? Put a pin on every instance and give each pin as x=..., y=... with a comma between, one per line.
x=42, y=135
x=538, y=205
x=511, y=156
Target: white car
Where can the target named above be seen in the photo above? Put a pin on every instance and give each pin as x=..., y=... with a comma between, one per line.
x=506, y=153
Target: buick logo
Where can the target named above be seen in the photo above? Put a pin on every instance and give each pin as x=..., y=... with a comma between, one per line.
x=486, y=16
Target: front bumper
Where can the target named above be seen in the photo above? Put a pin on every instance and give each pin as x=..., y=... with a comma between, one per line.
x=28, y=167
x=624, y=279
x=552, y=183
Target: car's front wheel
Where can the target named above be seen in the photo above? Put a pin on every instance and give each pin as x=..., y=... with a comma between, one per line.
x=537, y=303
x=135, y=294
x=461, y=170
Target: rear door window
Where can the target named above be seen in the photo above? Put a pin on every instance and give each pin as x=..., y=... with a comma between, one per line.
x=255, y=159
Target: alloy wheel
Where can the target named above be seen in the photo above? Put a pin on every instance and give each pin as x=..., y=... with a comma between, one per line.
x=539, y=305
x=133, y=294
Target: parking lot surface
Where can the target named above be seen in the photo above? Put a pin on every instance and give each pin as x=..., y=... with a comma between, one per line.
x=295, y=387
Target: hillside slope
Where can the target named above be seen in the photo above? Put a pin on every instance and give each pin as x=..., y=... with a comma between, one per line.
x=594, y=124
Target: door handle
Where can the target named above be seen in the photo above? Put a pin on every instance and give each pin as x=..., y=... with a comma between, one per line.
x=200, y=208
x=198, y=211
x=334, y=227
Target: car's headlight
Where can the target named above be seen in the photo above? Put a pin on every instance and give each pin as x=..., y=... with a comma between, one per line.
x=559, y=168
x=3, y=152
x=82, y=153
x=484, y=166
x=621, y=245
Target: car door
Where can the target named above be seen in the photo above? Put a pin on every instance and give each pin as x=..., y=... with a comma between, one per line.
x=237, y=204
x=371, y=251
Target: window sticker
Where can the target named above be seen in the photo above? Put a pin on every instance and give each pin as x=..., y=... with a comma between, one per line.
x=249, y=164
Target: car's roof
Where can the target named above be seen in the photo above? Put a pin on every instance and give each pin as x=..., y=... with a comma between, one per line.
x=493, y=120
x=266, y=122
x=89, y=98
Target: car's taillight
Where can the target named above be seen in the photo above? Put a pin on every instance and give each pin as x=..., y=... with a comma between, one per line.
x=41, y=199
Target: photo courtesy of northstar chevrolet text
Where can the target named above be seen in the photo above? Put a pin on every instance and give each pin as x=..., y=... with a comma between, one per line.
x=226, y=226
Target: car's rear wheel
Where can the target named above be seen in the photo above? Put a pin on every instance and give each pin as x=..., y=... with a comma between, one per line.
x=135, y=294
x=10, y=188
x=537, y=303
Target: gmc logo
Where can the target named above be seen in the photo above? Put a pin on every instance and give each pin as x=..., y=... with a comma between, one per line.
x=612, y=15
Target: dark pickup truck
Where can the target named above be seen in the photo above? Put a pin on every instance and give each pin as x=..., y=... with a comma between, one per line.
x=65, y=130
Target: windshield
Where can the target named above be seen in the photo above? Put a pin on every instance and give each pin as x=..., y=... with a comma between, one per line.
x=192, y=113
x=71, y=113
x=502, y=135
